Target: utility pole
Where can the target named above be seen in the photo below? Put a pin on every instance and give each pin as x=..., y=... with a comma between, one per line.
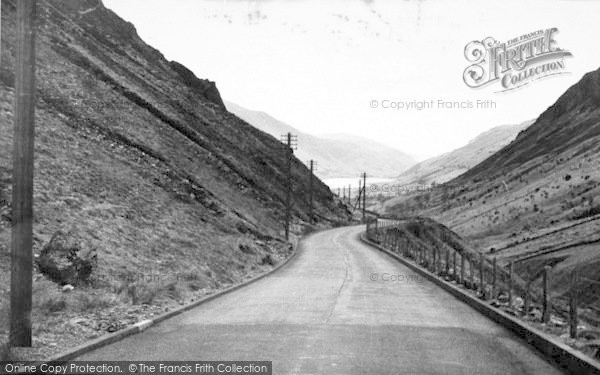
x=364, y=197
x=22, y=187
x=291, y=141
x=349, y=194
x=359, y=192
x=310, y=192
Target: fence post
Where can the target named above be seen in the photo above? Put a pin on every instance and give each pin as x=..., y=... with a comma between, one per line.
x=573, y=304
x=481, y=276
x=494, y=278
x=472, y=272
x=545, y=299
x=462, y=269
x=526, y=300
x=447, y=262
x=510, y=283
x=454, y=267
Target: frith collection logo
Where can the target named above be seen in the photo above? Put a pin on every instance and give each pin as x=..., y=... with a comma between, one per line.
x=516, y=62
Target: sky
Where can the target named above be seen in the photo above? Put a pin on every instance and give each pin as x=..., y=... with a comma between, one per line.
x=336, y=66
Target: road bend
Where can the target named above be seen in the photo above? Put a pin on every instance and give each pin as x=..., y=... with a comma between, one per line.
x=339, y=307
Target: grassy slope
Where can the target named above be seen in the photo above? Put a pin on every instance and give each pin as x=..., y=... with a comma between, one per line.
x=161, y=181
x=536, y=196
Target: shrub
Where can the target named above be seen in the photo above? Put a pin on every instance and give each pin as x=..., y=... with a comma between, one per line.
x=53, y=304
x=267, y=260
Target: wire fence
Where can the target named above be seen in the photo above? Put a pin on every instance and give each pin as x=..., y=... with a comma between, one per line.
x=530, y=296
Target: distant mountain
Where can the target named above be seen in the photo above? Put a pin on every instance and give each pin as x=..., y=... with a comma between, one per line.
x=337, y=155
x=535, y=201
x=447, y=166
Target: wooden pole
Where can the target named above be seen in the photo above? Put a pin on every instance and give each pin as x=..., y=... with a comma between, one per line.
x=545, y=299
x=288, y=200
x=454, y=276
x=494, y=277
x=447, y=262
x=462, y=269
x=526, y=300
x=573, y=305
x=349, y=194
x=22, y=189
x=364, y=197
x=359, y=192
x=511, y=269
x=310, y=194
x=471, y=272
x=481, y=275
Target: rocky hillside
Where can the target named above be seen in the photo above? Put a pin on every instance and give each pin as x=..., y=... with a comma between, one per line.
x=445, y=167
x=338, y=155
x=536, y=200
x=137, y=160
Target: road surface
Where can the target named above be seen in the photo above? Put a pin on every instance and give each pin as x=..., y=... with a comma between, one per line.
x=324, y=313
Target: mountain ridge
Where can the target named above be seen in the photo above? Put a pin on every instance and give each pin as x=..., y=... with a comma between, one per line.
x=137, y=160
x=335, y=157
x=534, y=202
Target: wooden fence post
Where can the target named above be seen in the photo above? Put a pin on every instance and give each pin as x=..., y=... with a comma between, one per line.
x=472, y=273
x=494, y=278
x=481, y=276
x=462, y=268
x=545, y=296
x=510, y=283
x=454, y=273
x=526, y=300
x=573, y=304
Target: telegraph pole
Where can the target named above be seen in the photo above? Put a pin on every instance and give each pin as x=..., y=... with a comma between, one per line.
x=359, y=191
x=291, y=141
x=22, y=186
x=364, y=197
x=310, y=192
x=349, y=194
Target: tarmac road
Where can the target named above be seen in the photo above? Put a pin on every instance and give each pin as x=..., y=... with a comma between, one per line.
x=339, y=307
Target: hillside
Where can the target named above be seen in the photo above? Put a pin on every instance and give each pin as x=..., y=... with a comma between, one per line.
x=338, y=155
x=445, y=167
x=137, y=160
x=535, y=200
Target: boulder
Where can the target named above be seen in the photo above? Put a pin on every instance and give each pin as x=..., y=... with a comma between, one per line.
x=65, y=260
x=68, y=288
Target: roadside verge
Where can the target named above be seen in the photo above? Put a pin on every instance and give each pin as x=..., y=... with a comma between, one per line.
x=143, y=325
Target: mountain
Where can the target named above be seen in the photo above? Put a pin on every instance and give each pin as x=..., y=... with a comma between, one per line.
x=137, y=160
x=447, y=166
x=337, y=155
x=535, y=200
